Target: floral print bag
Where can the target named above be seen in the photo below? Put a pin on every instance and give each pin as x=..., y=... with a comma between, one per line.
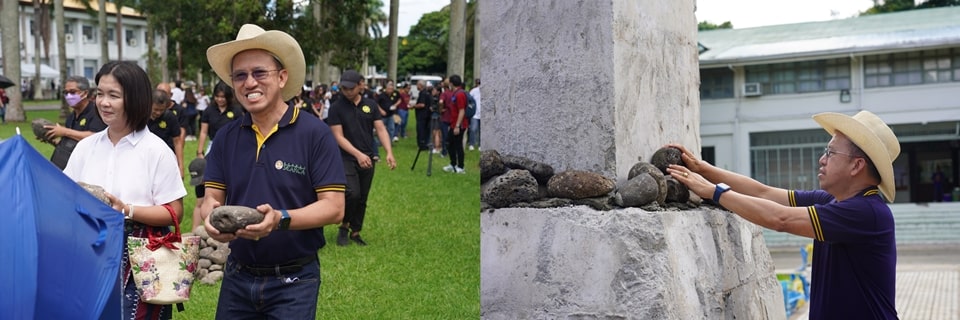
x=163, y=266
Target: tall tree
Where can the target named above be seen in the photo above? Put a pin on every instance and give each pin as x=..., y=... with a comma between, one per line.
x=458, y=37
x=706, y=25
x=9, y=22
x=118, y=5
x=392, y=55
x=37, y=84
x=62, y=58
x=102, y=21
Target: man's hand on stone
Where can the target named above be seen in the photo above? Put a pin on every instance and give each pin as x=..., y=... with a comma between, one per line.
x=213, y=232
x=261, y=230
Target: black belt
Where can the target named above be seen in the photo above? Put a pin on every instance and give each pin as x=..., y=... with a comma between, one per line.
x=277, y=269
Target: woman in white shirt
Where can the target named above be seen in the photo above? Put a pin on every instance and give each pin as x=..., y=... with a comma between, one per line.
x=135, y=167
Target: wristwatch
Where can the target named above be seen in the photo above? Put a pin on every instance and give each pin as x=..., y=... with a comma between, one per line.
x=721, y=188
x=284, y=220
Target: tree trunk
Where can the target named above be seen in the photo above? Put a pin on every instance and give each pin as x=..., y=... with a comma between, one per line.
x=9, y=22
x=45, y=28
x=476, y=42
x=102, y=19
x=61, y=54
x=153, y=68
x=392, y=55
x=119, y=36
x=458, y=37
x=164, y=55
x=37, y=83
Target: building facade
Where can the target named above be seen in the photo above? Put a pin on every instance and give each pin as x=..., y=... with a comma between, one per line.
x=82, y=38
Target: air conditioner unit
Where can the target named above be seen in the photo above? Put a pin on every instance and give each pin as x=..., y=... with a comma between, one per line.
x=132, y=42
x=68, y=37
x=752, y=89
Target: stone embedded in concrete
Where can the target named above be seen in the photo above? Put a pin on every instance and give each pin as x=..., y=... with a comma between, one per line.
x=653, y=171
x=638, y=191
x=540, y=171
x=511, y=187
x=574, y=262
x=229, y=219
x=601, y=203
x=666, y=156
x=676, y=191
x=491, y=165
x=577, y=184
x=96, y=191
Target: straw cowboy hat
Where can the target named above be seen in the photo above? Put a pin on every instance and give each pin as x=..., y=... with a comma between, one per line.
x=873, y=136
x=278, y=43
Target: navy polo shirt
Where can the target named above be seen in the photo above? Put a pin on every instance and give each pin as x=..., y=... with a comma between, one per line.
x=87, y=120
x=357, y=122
x=854, y=255
x=216, y=119
x=166, y=127
x=287, y=170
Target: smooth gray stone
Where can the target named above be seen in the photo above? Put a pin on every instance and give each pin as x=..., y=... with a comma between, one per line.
x=38, y=129
x=653, y=171
x=576, y=184
x=96, y=191
x=540, y=171
x=229, y=219
x=636, y=192
x=665, y=157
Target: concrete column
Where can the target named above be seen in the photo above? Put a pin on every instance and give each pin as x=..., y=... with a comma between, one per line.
x=590, y=85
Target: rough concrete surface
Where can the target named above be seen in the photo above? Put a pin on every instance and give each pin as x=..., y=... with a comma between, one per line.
x=579, y=263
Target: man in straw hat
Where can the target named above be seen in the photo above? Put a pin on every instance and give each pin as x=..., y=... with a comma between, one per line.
x=854, y=253
x=284, y=164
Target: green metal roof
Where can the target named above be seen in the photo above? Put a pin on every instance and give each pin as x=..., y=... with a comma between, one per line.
x=891, y=32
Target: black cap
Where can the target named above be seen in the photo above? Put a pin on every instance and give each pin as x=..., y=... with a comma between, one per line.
x=196, y=168
x=350, y=79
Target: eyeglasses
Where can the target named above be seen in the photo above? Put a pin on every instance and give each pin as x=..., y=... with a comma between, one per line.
x=829, y=153
x=72, y=91
x=257, y=74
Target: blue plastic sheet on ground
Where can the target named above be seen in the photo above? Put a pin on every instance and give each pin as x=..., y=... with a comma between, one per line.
x=60, y=246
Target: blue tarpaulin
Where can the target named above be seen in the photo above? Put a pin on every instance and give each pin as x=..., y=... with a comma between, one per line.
x=60, y=246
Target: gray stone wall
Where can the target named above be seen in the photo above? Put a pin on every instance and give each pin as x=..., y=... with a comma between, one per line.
x=578, y=263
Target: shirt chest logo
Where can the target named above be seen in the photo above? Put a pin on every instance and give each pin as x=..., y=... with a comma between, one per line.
x=230, y=114
x=290, y=167
x=83, y=122
x=366, y=109
x=162, y=125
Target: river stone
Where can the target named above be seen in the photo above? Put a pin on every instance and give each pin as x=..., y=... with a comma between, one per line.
x=676, y=191
x=576, y=184
x=96, y=191
x=540, y=171
x=212, y=277
x=665, y=157
x=229, y=219
x=508, y=188
x=653, y=171
x=638, y=191
x=216, y=267
x=491, y=165
x=695, y=199
x=40, y=131
x=204, y=263
x=218, y=256
x=205, y=252
x=200, y=274
x=201, y=231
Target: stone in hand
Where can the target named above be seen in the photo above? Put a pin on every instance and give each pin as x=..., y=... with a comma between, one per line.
x=229, y=219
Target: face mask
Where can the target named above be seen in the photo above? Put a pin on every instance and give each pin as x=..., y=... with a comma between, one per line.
x=334, y=88
x=73, y=99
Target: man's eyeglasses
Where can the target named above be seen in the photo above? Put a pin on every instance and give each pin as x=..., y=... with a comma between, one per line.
x=72, y=91
x=257, y=74
x=829, y=153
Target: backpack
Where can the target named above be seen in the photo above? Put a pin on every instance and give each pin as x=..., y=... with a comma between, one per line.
x=471, y=109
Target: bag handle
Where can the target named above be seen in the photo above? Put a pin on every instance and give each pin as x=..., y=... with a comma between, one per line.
x=169, y=240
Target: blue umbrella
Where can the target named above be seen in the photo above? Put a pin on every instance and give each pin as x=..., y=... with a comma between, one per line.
x=61, y=247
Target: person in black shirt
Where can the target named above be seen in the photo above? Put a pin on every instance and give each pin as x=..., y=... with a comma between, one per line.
x=81, y=123
x=162, y=122
x=424, y=103
x=223, y=111
x=352, y=120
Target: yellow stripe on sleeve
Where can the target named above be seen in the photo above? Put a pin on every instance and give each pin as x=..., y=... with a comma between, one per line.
x=815, y=221
x=792, y=196
x=332, y=187
x=215, y=185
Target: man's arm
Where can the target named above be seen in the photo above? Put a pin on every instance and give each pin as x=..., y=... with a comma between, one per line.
x=763, y=212
x=178, y=148
x=737, y=182
x=385, y=141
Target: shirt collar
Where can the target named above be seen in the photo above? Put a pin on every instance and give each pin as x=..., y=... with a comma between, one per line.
x=288, y=118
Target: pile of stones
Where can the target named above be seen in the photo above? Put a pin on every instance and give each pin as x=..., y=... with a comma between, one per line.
x=213, y=256
x=513, y=181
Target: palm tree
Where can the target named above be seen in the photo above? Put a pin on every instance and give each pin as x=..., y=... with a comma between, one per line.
x=458, y=37
x=62, y=49
x=10, y=23
x=392, y=55
x=102, y=19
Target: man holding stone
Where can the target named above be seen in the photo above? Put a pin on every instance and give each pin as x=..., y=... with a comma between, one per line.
x=854, y=253
x=284, y=164
x=83, y=122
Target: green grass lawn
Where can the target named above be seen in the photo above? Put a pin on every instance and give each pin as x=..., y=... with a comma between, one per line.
x=423, y=261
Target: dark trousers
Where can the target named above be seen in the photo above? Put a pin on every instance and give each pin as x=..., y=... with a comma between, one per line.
x=359, y=181
x=279, y=296
x=423, y=129
x=455, y=147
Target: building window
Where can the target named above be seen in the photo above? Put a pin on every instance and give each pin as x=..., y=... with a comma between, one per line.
x=716, y=83
x=912, y=68
x=89, y=67
x=70, y=67
x=802, y=76
x=131, y=37
x=787, y=159
x=89, y=34
x=110, y=34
